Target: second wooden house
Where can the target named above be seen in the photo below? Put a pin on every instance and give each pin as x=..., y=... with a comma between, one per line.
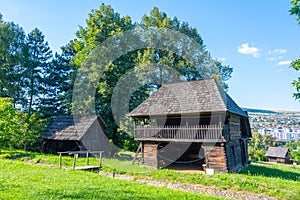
x=192, y=122
x=63, y=134
x=279, y=155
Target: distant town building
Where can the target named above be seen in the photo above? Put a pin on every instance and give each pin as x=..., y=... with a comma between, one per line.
x=281, y=133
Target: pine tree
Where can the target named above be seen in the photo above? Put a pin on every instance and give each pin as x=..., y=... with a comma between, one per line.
x=11, y=60
x=58, y=82
x=37, y=56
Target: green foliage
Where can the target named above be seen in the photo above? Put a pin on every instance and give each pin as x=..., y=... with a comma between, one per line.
x=36, y=84
x=37, y=59
x=203, y=65
x=105, y=23
x=17, y=130
x=295, y=10
x=57, y=85
x=11, y=59
x=294, y=147
x=42, y=84
x=259, y=145
x=10, y=127
x=296, y=83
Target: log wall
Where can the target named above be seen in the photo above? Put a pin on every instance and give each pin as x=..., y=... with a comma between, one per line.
x=229, y=155
x=216, y=158
x=150, y=155
x=279, y=160
x=234, y=127
x=234, y=153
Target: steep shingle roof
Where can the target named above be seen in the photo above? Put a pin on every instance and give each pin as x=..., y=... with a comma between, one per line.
x=187, y=98
x=63, y=127
x=277, y=152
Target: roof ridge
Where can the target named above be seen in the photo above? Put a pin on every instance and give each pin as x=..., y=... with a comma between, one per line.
x=184, y=81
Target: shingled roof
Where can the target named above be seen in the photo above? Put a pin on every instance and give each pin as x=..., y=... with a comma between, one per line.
x=277, y=152
x=63, y=127
x=188, y=98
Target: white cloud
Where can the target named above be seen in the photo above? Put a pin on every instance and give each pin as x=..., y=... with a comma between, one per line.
x=246, y=49
x=284, y=62
x=277, y=51
x=276, y=55
x=274, y=59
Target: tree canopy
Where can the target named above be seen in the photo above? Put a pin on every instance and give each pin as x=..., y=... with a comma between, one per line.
x=40, y=84
x=295, y=10
x=104, y=24
x=18, y=131
x=259, y=145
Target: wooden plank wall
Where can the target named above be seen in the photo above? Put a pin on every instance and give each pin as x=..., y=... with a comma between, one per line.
x=150, y=155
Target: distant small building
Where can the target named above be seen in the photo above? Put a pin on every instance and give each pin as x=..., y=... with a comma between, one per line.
x=63, y=135
x=278, y=155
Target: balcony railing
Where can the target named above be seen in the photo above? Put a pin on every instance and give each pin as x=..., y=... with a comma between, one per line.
x=198, y=133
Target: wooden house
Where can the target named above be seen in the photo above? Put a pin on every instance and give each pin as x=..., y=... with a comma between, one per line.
x=278, y=155
x=192, y=122
x=63, y=135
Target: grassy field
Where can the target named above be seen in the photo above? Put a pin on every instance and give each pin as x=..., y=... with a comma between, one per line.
x=276, y=180
x=19, y=180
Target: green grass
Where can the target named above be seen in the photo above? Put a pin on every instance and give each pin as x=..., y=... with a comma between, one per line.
x=19, y=180
x=276, y=180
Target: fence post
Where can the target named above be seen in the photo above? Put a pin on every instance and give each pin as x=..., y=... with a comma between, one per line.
x=100, y=158
x=60, y=160
x=87, y=158
x=74, y=163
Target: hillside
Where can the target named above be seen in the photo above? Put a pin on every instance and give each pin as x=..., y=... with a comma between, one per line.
x=36, y=176
x=254, y=110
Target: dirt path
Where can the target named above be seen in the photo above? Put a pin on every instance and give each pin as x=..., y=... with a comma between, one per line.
x=192, y=188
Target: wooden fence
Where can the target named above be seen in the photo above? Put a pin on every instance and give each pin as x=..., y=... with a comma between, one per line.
x=197, y=133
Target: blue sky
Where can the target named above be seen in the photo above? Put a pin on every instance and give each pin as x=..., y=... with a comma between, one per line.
x=257, y=38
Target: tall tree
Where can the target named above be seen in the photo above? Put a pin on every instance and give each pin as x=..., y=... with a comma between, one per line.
x=11, y=68
x=37, y=58
x=57, y=82
x=101, y=25
x=203, y=66
x=295, y=10
x=105, y=23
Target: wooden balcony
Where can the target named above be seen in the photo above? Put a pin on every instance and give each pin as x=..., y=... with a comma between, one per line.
x=202, y=133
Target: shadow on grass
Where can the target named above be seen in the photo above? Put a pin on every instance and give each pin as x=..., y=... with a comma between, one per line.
x=17, y=155
x=256, y=170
